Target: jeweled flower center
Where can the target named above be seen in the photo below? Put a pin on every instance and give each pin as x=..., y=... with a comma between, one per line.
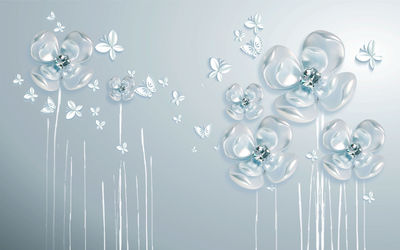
x=62, y=61
x=353, y=150
x=260, y=153
x=310, y=77
x=122, y=88
x=245, y=102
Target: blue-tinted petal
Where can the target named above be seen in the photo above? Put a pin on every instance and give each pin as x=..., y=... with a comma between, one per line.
x=368, y=165
x=253, y=111
x=76, y=78
x=338, y=166
x=129, y=84
x=369, y=135
x=313, y=57
x=300, y=96
x=44, y=47
x=245, y=181
x=238, y=142
x=234, y=93
x=235, y=111
x=295, y=114
x=336, y=136
x=43, y=82
x=274, y=133
x=250, y=168
x=254, y=92
x=77, y=46
x=280, y=167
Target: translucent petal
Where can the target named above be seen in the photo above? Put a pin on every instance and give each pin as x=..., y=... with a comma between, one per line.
x=336, y=136
x=245, y=181
x=295, y=114
x=280, y=167
x=363, y=56
x=118, y=48
x=274, y=133
x=236, y=112
x=300, y=96
x=238, y=142
x=234, y=93
x=338, y=166
x=42, y=82
x=313, y=57
x=114, y=84
x=112, y=38
x=129, y=84
x=330, y=44
x=44, y=47
x=280, y=68
x=49, y=72
x=214, y=64
x=341, y=89
x=77, y=46
x=368, y=165
x=369, y=135
x=103, y=47
x=76, y=78
x=250, y=168
x=253, y=111
x=254, y=92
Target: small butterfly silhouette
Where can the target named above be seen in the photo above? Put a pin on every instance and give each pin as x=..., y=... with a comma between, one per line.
x=163, y=82
x=177, y=119
x=176, y=98
x=218, y=67
x=18, y=79
x=31, y=95
x=239, y=35
x=369, y=197
x=94, y=85
x=123, y=148
x=100, y=124
x=148, y=90
x=203, y=131
x=75, y=110
x=131, y=73
x=59, y=28
x=271, y=188
x=51, y=16
x=194, y=149
x=95, y=111
x=253, y=48
x=312, y=155
x=50, y=106
x=254, y=23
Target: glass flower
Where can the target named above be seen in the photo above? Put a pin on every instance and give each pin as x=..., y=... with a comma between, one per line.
x=121, y=89
x=353, y=152
x=260, y=156
x=63, y=64
x=311, y=80
x=244, y=103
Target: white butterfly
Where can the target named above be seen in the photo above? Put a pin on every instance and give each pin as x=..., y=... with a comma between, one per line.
x=216, y=147
x=177, y=119
x=51, y=16
x=31, y=95
x=176, y=98
x=254, y=23
x=50, y=106
x=218, y=67
x=18, y=79
x=148, y=90
x=239, y=35
x=131, y=73
x=369, y=197
x=95, y=111
x=253, y=48
x=75, y=110
x=94, y=85
x=109, y=45
x=123, y=148
x=100, y=124
x=312, y=155
x=194, y=149
x=203, y=131
x=59, y=28
x=163, y=82
x=367, y=54
x=271, y=188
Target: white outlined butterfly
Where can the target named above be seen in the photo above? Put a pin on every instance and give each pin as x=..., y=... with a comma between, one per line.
x=177, y=119
x=123, y=148
x=203, y=131
x=177, y=98
x=50, y=106
x=59, y=28
x=163, y=82
x=253, y=48
x=369, y=197
x=148, y=90
x=94, y=85
x=131, y=73
x=100, y=124
x=95, y=111
x=31, y=95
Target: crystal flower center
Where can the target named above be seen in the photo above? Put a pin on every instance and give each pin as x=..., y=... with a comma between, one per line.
x=61, y=62
x=310, y=77
x=353, y=150
x=260, y=153
x=245, y=102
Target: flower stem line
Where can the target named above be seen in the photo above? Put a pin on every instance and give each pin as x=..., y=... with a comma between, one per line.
x=339, y=215
x=47, y=185
x=364, y=219
x=256, y=224
x=84, y=194
x=330, y=212
x=104, y=215
x=357, y=238
x=138, y=213
x=145, y=188
x=300, y=215
x=70, y=207
x=126, y=207
x=65, y=192
x=151, y=204
x=276, y=216
x=54, y=167
x=345, y=216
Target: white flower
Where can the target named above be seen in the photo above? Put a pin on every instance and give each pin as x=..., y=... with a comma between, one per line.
x=218, y=67
x=163, y=82
x=367, y=54
x=31, y=95
x=75, y=110
x=18, y=79
x=177, y=98
x=59, y=28
x=95, y=111
x=254, y=23
x=49, y=107
x=109, y=45
x=94, y=85
x=123, y=148
x=100, y=124
x=239, y=35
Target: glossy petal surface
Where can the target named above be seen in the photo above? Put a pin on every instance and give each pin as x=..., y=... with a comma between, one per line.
x=295, y=114
x=42, y=82
x=280, y=167
x=254, y=92
x=238, y=142
x=300, y=97
x=77, y=46
x=234, y=93
x=368, y=165
x=369, y=135
x=314, y=57
x=235, y=111
x=338, y=166
x=44, y=47
x=336, y=136
x=76, y=78
x=274, y=133
x=245, y=181
x=253, y=111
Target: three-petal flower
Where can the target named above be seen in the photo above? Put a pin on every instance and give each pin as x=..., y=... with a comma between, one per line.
x=311, y=82
x=244, y=103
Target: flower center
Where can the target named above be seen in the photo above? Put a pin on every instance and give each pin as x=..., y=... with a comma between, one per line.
x=122, y=88
x=260, y=153
x=245, y=102
x=310, y=77
x=353, y=150
x=61, y=62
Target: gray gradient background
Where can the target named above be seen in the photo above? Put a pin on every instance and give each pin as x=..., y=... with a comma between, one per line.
x=195, y=205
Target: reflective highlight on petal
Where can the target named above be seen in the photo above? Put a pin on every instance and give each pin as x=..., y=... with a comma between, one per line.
x=42, y=82
x=76, y=78
x=245, y=181
x=234, y=93
x=336, y=136
x=235, y=111
x=295, y=114
x=300, y=97
x=238, y=142
x=280, y=167
x=254, y=92
x=274, y=133
x=370, y=135
x=368, y=165
x=313, y=57
x=44, y=47
x=253, y=111
x=250, y=168
x=77, y=46
x=338, y=166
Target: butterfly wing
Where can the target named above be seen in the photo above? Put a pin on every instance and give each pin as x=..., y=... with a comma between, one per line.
x=199, y=131
x=150, y=84
x=207, y=130
x=248, y=49
x=258, y=45
x=144, y=92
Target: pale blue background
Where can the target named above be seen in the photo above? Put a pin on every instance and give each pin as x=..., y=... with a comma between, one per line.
x=196, y=206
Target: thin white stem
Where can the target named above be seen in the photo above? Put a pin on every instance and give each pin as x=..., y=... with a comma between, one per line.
x=276, y=216
x=46, y=226
x=151, y=204
x=138, y=213
x=300, y=215
x=330, y=212
x=339, y=215
x=126, y=207
x=104, y=215
x=309, y=206
x=145, y=183
x=256, y=224
x=345, y=216
x=84, y=194
x=70, y=207
x=120, y=209
x=364, y=220
x=322, y=210
x=120, y=124
x=115, y=213
x=317, y=209
x=357, y=239
x=65, y=192
x=54, y=167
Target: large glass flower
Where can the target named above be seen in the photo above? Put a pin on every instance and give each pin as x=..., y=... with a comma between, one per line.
x=61, y=64
x=244, y=102
x=311, y=80
x=260, y=156
x=353, y=152
x=121, y=90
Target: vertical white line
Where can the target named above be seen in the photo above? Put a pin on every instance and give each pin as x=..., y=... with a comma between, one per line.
x=70, y=207
x=84, y=194
x=317, y=210
x=256, y=224
x=138, y=213
x=115, y=213
x=47, y=185
x=339, y=215
x=145, y=183
x=120, y=124
x=104, y=215
x=364, y=219
x=120, y=209
x=126, y=207
x=345, y=216
x=357, y=239
x=54, y=167
x=276, y=217
x=309, y=206
x=151, y=204
x=65, y=192
x=330, y=212
x=322, y=210
x=300, y=216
